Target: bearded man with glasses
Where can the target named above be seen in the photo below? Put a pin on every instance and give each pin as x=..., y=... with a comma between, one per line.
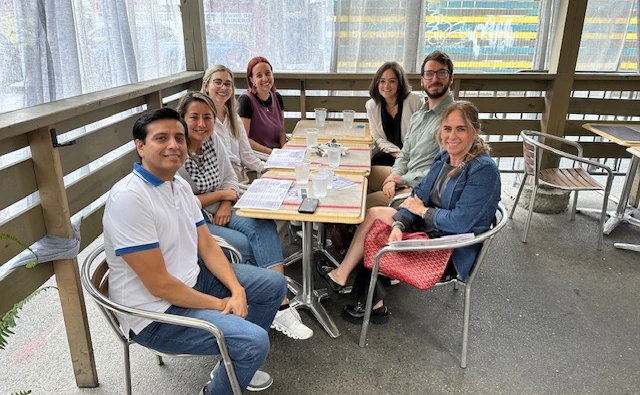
x=420, y=146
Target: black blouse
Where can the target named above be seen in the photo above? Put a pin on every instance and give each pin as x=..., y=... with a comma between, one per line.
x=392, y=126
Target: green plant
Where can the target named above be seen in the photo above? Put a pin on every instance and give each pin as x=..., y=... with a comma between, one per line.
x=8, y=320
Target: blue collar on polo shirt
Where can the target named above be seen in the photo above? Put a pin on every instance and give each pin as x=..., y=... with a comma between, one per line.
x=146, y=175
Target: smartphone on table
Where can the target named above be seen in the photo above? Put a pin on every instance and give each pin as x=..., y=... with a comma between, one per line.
x=308, y=206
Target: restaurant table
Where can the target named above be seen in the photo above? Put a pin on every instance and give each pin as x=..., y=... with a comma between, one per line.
x=343, y=207
x=627, y=136
x=359, y=133
x=357, y=161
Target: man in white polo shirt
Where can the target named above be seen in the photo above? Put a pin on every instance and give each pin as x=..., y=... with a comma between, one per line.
x=153, y=233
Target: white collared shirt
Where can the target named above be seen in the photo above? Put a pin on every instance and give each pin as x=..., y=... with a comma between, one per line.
x=144, y=212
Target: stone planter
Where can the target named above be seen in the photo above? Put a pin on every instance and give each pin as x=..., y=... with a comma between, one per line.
x=548, y=200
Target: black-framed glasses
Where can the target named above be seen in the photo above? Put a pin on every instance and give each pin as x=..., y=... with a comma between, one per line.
x=219, y=83
x=440, y=73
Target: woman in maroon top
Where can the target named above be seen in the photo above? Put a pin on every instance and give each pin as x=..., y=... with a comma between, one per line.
x=261, y=108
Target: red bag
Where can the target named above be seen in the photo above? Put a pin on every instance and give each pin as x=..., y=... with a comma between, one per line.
x=421, y=269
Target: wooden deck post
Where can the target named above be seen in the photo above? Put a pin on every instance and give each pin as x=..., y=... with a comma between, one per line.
x=55, y=209
x=195, y=44
x=562, y=63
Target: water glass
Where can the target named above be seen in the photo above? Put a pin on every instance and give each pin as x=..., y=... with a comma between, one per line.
x=347, y=118
x=334, y=154
x=302, y=171
x=321, y=116
x=320, y=183
x=311, y=136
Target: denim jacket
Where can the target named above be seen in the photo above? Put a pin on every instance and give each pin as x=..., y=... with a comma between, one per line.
x=469, y=204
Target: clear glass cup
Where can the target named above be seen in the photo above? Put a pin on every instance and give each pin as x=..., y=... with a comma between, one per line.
x=334, y=154
x=347, y=118
x=302, y=171
x=320, y=183
x=311, y=137
x=321, y=116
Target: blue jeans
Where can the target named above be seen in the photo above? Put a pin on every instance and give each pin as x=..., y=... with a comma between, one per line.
x=262, y=235
x=236, y=239
x=247, y=339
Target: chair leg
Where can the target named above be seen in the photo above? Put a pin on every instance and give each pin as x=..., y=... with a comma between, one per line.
x=369, y=305
x=456, y=285
x=127, y=369
x=603, y=217
x=465, y=325
x=534, y=190
x=515, y=203
x=160, y=361
x=575, y=205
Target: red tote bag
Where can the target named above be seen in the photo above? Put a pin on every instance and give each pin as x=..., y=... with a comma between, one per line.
x=421, y=269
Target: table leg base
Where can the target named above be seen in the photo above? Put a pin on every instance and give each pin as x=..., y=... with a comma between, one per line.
x=312, y=302
x=293, y=258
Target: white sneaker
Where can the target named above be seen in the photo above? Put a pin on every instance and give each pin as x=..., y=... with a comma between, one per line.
x=288, y=321
x=260, y=381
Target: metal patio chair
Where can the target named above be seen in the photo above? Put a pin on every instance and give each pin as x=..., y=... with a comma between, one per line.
x=572, y=179
x=97, y=286
x=484, y=239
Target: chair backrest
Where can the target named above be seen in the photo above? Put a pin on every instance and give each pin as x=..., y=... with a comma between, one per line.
x=97, y=286
x=528, y=154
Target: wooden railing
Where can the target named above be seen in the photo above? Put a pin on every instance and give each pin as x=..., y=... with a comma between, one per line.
x=509, y=103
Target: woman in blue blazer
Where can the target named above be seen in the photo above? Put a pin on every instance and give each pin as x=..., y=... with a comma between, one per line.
x=459, y=194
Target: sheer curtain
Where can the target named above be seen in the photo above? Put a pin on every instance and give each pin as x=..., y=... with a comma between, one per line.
x=53, y=49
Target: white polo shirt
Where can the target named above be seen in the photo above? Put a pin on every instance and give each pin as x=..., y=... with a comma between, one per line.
x=144, y=212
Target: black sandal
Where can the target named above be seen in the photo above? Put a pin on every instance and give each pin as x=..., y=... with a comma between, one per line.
x=355, y=314
x=323, y=271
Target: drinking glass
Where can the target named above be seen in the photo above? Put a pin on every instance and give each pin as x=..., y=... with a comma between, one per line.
x=320, y=183
x=347, y=118
x=302, y=171
x=311, y=136
x=321, y=116
x=334, y=156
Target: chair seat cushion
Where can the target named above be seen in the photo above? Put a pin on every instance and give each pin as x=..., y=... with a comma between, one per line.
x=421, y=269
x=574, y=179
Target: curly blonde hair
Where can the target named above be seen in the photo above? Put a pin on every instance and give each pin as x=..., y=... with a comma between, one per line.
x=471, y=118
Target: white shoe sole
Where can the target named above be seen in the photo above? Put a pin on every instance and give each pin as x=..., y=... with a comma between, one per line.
x=286, y=332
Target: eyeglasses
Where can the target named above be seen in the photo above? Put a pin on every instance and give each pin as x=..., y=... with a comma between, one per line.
x=219, y=83
x=440, y=73
x=390, y=81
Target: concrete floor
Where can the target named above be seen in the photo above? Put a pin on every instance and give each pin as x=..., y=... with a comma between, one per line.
x=553, y=316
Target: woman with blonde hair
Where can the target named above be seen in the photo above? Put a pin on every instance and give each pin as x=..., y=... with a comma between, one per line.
x=459, y=194
x=218, y=84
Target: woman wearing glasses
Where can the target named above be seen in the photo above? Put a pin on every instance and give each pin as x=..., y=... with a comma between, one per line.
x=261, y=108
x=218, y=85
x=391, y=105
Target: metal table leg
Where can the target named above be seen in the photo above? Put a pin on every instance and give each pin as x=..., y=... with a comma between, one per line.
x=626, y=246
x=622, y=215
x=310, y=298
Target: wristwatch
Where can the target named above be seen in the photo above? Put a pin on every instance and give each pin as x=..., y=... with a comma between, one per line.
x=398, y=224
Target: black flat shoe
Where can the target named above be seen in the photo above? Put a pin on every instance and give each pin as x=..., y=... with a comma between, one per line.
x=323, y=271
x=355, y=314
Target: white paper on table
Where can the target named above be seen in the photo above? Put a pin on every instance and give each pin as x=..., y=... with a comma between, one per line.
x=265, y=193
x=340, y=183
x=284, y=158
x=434, y=242
x=295, y=195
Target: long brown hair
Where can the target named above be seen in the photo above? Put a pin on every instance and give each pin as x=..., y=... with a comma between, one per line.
x=404, y=88
x=471, y=119
x=231, y=103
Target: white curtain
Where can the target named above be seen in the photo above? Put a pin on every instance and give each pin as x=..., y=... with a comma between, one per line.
x=53, y=49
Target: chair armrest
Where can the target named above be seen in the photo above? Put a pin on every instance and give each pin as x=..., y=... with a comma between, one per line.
x=236, y=256
x=401, y=196
x=576, y=158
